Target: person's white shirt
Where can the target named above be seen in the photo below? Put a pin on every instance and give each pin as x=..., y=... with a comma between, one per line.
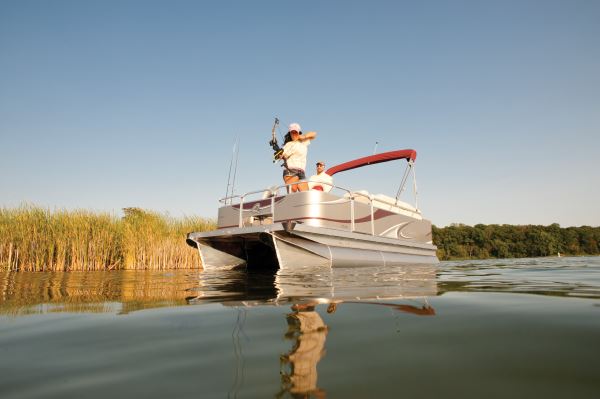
x=318, y=179
x=295, y=154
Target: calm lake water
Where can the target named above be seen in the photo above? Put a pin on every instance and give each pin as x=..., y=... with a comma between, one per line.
x=496, y=329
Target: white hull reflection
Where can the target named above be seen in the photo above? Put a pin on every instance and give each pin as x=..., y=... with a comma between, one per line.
x=308, y=292
x=317, y=285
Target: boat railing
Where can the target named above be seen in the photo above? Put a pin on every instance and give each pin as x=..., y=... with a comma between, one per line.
x=272, y=193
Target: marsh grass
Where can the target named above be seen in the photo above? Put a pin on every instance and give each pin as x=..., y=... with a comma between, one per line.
x=37, y=239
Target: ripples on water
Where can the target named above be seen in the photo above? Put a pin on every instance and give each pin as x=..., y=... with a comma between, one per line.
x=500, y=328
x=576, y=277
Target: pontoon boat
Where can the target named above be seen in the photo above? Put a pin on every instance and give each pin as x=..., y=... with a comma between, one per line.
x=340, y=228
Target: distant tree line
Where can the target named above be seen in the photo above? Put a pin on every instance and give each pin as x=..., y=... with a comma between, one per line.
x=459, y=241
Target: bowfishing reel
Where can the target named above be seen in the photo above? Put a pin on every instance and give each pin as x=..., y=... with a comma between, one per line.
x=277, y=151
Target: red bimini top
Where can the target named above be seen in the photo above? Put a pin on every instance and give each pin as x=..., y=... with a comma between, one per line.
x=373, y=159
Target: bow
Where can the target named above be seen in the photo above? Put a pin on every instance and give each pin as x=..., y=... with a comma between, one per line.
x=278, y=151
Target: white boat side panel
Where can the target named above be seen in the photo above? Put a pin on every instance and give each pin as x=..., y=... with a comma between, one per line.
x=333, y=241
x=214, y=259
x=291, y=256
x=334, y=233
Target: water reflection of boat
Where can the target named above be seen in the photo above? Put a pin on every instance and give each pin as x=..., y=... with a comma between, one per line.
x=308, y=331
x=308, y=291
x=402, y=288
x=340, y=228
x=299, y=366
x=315, y=285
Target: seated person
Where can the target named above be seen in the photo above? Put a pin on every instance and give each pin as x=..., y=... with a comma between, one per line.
x=316, y=181
x=270, y=192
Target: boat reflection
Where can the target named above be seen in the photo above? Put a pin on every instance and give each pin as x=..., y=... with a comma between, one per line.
x=299, y=366
x=307, y=329
x=314, y=285
x=305, y=292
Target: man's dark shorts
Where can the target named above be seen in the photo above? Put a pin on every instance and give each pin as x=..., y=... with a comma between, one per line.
x=294, y=172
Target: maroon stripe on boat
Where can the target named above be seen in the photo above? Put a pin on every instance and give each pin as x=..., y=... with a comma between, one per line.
x=378, y=214
x=261, y=203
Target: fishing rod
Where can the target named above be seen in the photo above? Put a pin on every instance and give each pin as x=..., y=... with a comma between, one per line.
x=235, y=166
x=233, y=155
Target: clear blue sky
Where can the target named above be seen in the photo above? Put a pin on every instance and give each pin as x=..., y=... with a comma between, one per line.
x=111, y=104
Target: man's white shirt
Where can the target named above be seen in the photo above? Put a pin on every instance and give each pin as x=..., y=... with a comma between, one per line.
x=316, y=180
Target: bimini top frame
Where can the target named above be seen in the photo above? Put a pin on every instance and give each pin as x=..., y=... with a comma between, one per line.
x=408, y=154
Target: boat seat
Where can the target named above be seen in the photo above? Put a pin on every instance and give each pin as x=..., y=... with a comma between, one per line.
x=270, y=192
x=387, y=200
x=382, y=201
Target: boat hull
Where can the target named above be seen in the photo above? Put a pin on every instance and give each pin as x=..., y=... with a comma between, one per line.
x=295, y=245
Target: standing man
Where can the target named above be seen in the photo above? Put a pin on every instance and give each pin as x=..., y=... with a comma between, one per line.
x=321, y=181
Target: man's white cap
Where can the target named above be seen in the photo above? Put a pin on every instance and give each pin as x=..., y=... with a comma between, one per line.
x=294, y=126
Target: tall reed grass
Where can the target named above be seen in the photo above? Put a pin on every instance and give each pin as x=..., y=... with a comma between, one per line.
x=37, y=239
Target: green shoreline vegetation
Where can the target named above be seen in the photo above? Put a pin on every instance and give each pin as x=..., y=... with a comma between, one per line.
x=37, y=239
x=460, y=241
